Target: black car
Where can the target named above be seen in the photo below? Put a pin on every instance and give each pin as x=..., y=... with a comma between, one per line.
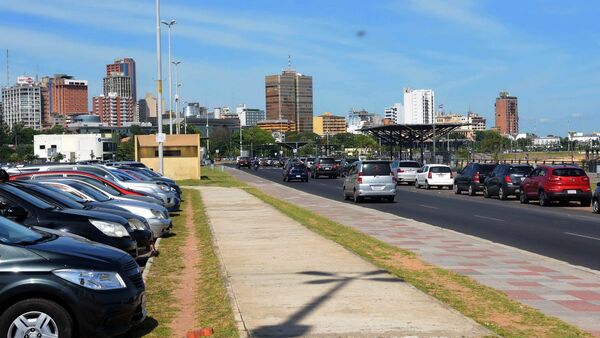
x=61, y=286
x=471, y=178
x=295, y=170
x=243, y=161
x=97, y=226
x=137, y=225
x=324, y=166
x=505, y=180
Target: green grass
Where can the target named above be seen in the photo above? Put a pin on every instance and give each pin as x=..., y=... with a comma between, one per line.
x=212, y=304
x=487, y=306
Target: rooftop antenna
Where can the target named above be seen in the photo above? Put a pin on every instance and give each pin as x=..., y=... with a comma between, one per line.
x=7, y=72
x=289, y=62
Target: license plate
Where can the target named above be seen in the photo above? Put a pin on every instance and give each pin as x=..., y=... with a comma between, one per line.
x=517, y=190
x=571, y=191
x=298, y=176
x=377, y=187
x=440, y=175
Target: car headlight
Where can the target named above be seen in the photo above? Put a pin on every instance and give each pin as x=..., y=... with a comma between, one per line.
x=157, y=214
x=96, y=280
x=164, y=188
x=136, y=224
x=110, y=228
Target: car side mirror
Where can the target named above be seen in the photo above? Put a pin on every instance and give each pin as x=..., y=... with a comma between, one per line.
x=598, y=184
x=16, y=213
x=419, y=171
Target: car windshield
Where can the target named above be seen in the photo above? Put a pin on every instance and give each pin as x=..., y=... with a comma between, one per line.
x=14, y=233
x=520, y=170
x=101, y=186
x=27, y=197
x=569, y=172
x=149, y=172
x=327, y=161
x=136, y=175
x=122, y=176
x=486, y=168
x=376, y=169
x=310, y=159
x=440, y=170
x=52, y=197
x=91, y=192
x=409, y=164
x=299, y=166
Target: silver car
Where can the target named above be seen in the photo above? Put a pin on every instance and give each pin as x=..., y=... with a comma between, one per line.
x=370, y=179
x=406, y=171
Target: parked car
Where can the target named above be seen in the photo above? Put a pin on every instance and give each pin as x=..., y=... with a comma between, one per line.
x=295, y=170
x=61, y=286
x=370, y=179
x=149, y=175
x=505, y=180
x=243, y=162
x=437, y=175
x=97, y=226
x=405, y=171
x=309, y=162
x=346, y=163
x=596, y=199
x=471, y=178
x=324, y=166
x=564, y=183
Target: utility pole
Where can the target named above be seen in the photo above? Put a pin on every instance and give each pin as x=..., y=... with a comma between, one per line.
x=160, y=137
x=169, y=24
x=176, y=63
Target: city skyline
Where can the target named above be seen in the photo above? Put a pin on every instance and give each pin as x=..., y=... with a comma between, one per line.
x=363, y=57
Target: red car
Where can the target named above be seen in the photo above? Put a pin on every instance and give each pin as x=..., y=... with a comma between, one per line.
x=563, y=183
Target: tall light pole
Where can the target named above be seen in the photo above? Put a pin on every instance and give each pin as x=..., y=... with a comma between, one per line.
x=169, y=24
x=160, y=136
x=176, y=63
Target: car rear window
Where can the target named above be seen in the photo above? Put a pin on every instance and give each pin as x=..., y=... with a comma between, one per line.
x=376, y=169
x=299, y=166
x=410, y=164
x=486, y=168
x=568, y=172
x=440, y=170
x=327, y=160
x=520, y=170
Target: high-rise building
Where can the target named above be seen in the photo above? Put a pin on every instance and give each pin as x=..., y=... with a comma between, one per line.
x=63, y=96
x=126, y=67
x=148, y=109
x=329, y=124
x=289, y=96
x=22, y=103
x=250, y=116
x=114, y=110
x=507, y=114
x=118, y=83
x=394, y=112
x=419, y=106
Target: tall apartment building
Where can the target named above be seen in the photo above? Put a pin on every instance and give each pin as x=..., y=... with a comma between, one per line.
x=127, y=68
x=329, y=124
x=118, y=83
x=394, y=113
x=113, y=110
x=507, y=114
x=148, y=109
x=22, y=103
x=289, y=96
x=250, y=116
x=63, y=96
x=419, y=106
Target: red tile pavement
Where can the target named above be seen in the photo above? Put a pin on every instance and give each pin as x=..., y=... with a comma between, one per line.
x=585, y=295
x=587, y=285
x=520, y=294
x=525, y=273
x=522, y=283
x=537, y=268
x=579, y=305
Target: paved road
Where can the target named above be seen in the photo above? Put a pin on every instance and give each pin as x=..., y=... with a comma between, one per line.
x=570, y=234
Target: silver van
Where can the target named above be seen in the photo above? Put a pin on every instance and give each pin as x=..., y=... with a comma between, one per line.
x=370, y=179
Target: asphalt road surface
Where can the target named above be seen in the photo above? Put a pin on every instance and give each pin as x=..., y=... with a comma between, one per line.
x=566, y=233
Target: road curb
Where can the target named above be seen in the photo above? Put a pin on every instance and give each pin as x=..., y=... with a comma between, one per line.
x=150, y=261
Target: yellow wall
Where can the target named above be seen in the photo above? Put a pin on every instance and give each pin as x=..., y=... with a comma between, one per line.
x=177, y=168
x=318, y=125
x=186, y=166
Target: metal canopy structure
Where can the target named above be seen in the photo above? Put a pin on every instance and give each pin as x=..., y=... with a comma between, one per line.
x=405, y=134
x=292, y=144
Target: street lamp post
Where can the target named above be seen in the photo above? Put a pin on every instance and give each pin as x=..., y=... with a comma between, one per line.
x=160, y=135
x=177, y=84
x=169, y=24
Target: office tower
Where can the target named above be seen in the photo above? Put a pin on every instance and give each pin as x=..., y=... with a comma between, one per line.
x=22, y=103
x=250, y=116
x=63, y=96
x=507, y=114
x=124, y=67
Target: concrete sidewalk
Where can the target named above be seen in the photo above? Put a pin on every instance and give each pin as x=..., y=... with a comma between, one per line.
x=555, y=288
x=288, y=281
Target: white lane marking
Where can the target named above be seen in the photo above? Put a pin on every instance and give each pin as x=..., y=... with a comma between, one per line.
x=489, y=218
x=428, y=206
x=584, y=236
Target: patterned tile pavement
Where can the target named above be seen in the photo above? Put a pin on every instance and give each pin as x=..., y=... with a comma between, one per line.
x=553, y=287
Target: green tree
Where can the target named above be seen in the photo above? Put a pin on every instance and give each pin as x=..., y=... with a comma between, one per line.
x=491, y=142
x=58, y=157
x=125, y=150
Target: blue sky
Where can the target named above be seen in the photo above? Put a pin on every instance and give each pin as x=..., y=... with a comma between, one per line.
x=544, y=52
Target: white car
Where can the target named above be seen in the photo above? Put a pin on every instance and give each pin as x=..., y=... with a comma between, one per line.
x=438, y=175
x=405, y=170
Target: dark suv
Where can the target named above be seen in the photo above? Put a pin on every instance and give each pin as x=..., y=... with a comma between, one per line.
x=243, y=161
x=471, y=178
x=324, y=166
x=60, y=286
x=564, y=183
x=505, y=180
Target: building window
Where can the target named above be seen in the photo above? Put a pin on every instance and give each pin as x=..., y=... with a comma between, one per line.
x=42, y=146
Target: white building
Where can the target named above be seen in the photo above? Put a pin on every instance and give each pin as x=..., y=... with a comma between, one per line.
x=22, y=103
x=546, y=141
x=583, y=138
x=358, y=119
x=250, y=116
x=74, y=147
x=419, y=106
x=394, y=112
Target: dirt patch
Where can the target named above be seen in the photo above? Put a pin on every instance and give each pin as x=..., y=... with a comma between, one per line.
x=185, y=294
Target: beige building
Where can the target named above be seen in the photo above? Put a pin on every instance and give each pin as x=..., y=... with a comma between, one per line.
x=471, y=123
x=281, y=126
x=289, y=96
x=329, y=124
x=181, y=155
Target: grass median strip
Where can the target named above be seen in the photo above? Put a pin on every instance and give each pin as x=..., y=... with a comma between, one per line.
x=489, y=307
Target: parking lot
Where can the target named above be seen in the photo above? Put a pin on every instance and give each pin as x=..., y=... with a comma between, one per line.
x=569, y=233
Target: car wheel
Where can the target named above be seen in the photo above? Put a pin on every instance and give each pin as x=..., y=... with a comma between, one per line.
x=346, y=197
x=357, y=198
x=501, y=193
x=586, y=203
x=427, y=187
x=284, y=178
x=543, y=199
x=486, y=192
x=471, y=190
x=390, y=199
x=596, y=206
x=456, y=189
x=417, y=186
x=523, y=198
x=36, y=318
